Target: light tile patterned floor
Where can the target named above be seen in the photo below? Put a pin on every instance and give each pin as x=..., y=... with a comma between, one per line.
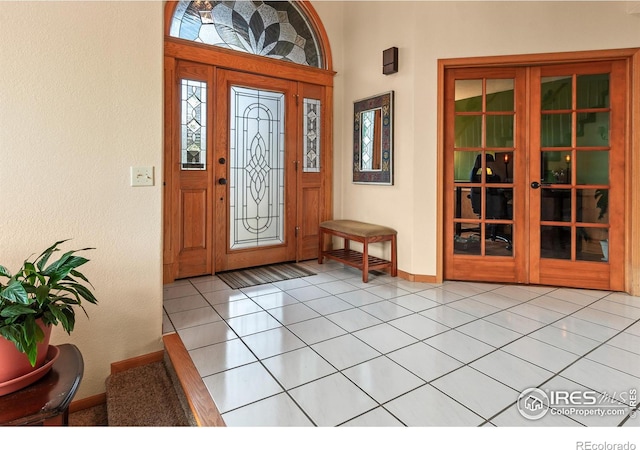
x=329, y=350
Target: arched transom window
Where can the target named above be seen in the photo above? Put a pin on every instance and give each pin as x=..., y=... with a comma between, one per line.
x=273, y=29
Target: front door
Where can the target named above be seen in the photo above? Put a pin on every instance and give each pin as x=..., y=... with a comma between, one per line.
x=534, y=174
x=255, y=170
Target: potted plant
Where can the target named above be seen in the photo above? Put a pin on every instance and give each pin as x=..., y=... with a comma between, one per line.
x=43, y=293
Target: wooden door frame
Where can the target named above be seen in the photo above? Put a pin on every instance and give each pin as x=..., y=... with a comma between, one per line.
x=632, y=138
x=175, y=50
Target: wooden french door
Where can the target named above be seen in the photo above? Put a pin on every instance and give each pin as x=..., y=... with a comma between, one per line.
x=534, y=174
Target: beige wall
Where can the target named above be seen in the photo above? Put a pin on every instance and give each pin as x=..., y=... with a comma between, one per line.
x=81, y=102
x=424, y=32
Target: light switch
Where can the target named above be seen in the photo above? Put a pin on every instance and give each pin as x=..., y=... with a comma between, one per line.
x=142, y=176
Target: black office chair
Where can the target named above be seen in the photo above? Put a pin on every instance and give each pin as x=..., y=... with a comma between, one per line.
x=496, y=201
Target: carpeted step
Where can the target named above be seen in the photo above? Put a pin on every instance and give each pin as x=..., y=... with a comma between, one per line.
x=144, y=396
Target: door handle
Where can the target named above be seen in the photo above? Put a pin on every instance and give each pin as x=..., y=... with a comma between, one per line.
x=535, y=185
x=222, y=181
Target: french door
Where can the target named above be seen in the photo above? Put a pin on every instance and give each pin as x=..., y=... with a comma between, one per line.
x=534, y=174
x=247, y=174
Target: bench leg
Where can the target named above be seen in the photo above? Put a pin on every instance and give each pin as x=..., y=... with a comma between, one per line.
x=320, y=246
x=365, y=261
x=394, y=257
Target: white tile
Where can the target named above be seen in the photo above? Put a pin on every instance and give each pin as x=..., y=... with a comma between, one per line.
x=345, y=351
x=494, y=299
x=210, y=284
x=512, y=371
x=353, y=319
x=440, y=295
x=328, y=305
x=184, y=303
x=298, y=367
x=480, y=393
x=167, y=326
x=222, y=356
x=540, y=354
x=412, y=286
x=585, y=328
x=240, y=386
x=307, y=293
x=473, y=307
x=274, y=300
x=225, y=296
x=296, y=312
x=418, y=326
x=555, y=304
x=272, y=342
x=276, y=411
x=428, y=407
x=514, y=322
x=384, y=337
x=253, y=323
x=620, y=309
x=383, y=379
x=262, y=289
x=387, y=291
x=193, y=317
x=565, y=340
x=459, y=346
x=624, y=299
x=489, y=333
x=207, y=334
x=337, y=287
x=285, y=285
x=414, y=302
x=522, y=293
x=537, y=313
x=316, y=330
x=379, y=417
x=448, y=316
x=332, y=400
x=322, y=277
x=386, y=310
x=424, y=361
x=626, y=341
x=359, y=298
x=617, y=358
x=603, y=318
x=577, y=296
x=237, y=308
x=178, y=290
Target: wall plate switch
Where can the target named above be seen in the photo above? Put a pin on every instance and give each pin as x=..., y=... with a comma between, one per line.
x=142, y=176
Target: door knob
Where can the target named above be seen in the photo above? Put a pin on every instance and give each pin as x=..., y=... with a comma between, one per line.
x=222, y=160
x=535, y=185
x=222, y=181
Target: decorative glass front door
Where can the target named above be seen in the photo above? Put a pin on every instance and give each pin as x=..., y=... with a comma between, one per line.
x=255, y=186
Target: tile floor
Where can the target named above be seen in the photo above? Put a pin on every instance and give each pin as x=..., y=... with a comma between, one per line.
x=329, y=350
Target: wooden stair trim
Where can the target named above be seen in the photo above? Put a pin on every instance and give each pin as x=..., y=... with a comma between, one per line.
x=204, y=410
x=137, y=361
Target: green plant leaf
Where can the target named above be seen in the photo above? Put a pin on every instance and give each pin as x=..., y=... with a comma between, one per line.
x=16, y=310
x=15, y=292
x=45, y=255
x=4, y=272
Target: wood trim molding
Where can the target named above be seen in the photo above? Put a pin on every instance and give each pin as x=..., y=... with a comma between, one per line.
x=205, y=411
x=88, y=402
x=633, y=182
x=137, y=361
x=418, y=278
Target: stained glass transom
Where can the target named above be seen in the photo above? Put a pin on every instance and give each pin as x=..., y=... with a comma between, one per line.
x=368, y=129
x=273, y=29
x=311, y=135
x=193, y=124
x=256, y=168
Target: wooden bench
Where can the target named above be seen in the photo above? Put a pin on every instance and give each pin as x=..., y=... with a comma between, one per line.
x=365, y=233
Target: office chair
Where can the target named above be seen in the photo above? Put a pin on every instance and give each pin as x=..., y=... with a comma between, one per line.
x=496, y=202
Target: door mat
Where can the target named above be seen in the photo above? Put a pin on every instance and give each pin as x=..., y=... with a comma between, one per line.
x=255, y=276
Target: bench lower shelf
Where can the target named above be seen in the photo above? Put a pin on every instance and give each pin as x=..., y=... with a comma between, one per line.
x=355, y=259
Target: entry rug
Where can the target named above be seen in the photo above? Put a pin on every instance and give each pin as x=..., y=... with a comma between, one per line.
x=255, y=276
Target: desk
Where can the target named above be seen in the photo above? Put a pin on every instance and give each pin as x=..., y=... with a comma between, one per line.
x=46, y=402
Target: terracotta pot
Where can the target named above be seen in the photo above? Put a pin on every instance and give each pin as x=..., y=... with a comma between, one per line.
x=14, y=364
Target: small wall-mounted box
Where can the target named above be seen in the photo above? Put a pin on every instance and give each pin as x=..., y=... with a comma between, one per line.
x=390, y=61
